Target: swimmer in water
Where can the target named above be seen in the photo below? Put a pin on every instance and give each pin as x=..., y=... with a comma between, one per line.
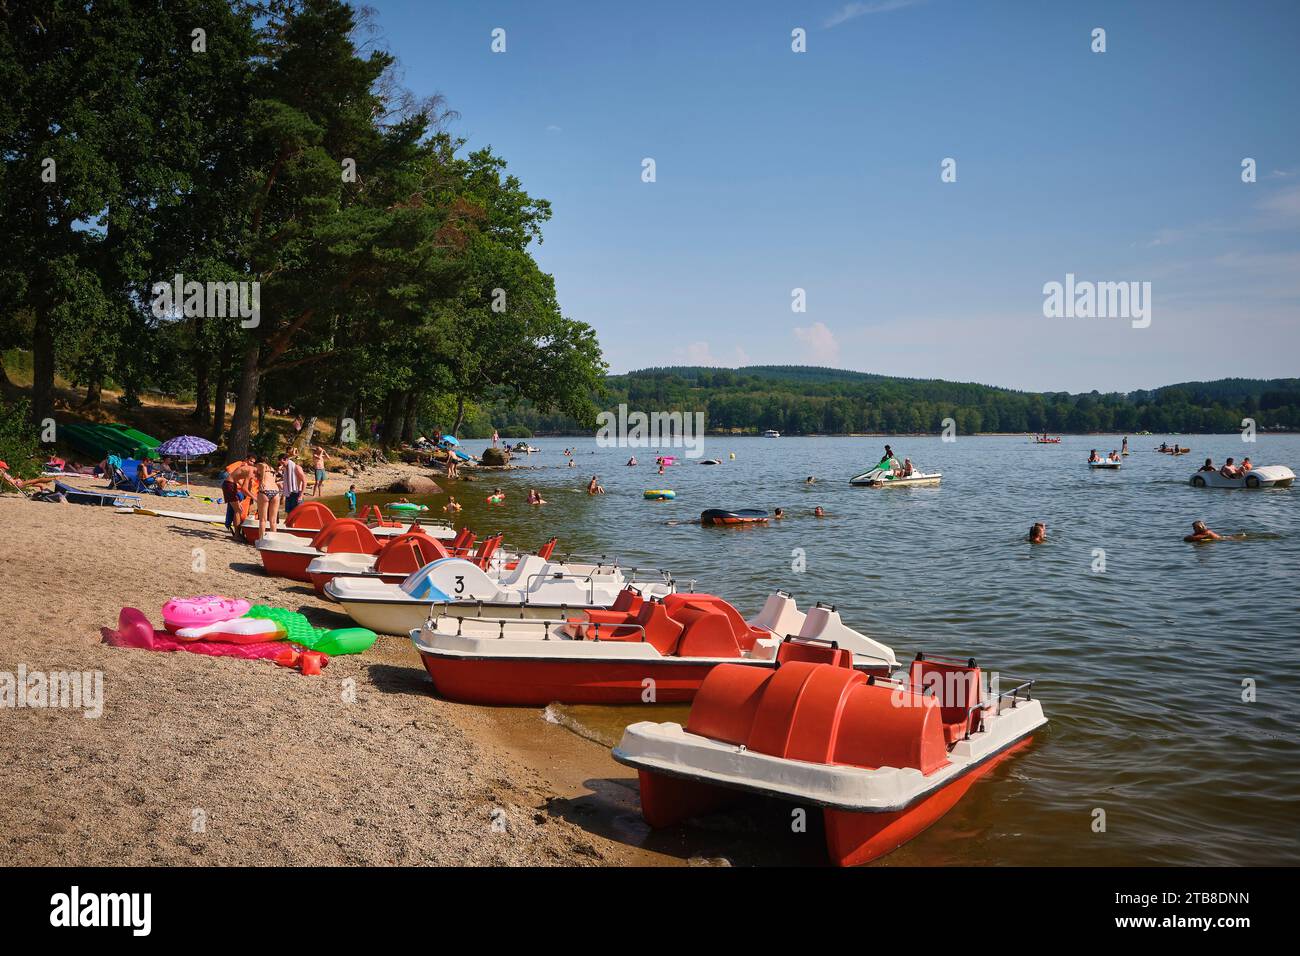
x=810, y=480
x=1201, y=533
x=1037, y=533
x=452, y=505
x=819, y=512
x=594, y=487
x=778, y=514
x=632, y=460
x=535, y=497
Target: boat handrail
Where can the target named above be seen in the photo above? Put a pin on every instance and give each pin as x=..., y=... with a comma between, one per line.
x=630, y=574
x=559, y=576
x=545, y=623
x=603, y=559
x=981, y=705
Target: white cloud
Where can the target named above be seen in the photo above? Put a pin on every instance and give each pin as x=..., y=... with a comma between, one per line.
x=851, y=11
x=701, y=353
x=1284, y=203
x=819, y=343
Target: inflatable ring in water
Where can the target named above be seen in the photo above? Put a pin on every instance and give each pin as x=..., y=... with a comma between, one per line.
x=660, y=494
x=405, y=506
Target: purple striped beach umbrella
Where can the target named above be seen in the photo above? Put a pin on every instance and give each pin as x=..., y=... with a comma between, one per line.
x=187, y=447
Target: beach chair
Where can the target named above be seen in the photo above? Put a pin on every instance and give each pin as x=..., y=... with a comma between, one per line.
x=4, y=476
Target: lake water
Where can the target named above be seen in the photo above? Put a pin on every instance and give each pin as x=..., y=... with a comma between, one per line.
x=1140, y=667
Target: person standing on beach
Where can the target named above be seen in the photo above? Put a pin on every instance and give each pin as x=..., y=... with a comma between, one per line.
x=293, y=480
x=352, y=499
x=243, y=477
x=268, y=498
x=318, y=470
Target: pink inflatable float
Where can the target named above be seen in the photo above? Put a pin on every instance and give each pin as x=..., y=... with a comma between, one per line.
x=179, y=613
x=134, y=630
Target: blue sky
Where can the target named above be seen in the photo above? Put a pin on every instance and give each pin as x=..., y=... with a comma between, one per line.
x=820, y=170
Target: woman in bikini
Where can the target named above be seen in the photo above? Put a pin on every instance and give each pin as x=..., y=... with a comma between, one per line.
x=268, y=498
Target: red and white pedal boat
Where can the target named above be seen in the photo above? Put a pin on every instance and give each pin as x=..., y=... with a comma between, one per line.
x=884, y=759
x=534, y=589
x=311, y=518
x=287, y=554
x=404, y=555
x=660, y=653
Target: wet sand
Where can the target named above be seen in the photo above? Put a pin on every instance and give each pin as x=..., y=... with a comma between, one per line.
x=223, y=761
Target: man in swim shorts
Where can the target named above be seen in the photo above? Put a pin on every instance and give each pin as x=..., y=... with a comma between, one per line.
x=318, y=468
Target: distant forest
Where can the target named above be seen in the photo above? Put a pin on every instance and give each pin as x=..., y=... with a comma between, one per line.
x=804, y=400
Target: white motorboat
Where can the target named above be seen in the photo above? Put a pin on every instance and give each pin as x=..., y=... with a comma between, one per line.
x=453, y=587
x=885, y=478
x=657, y=652
x=1265, y=476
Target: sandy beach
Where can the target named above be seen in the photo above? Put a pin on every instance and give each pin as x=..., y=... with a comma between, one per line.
x=223, y=761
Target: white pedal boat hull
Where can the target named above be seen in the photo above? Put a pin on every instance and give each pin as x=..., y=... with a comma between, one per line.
x=536, y=588
x=875, y=479
x=1266, y=476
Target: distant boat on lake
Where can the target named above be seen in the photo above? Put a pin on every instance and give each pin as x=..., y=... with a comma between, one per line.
x=771, y=433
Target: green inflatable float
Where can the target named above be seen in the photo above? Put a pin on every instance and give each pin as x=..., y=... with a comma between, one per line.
x=343, y=640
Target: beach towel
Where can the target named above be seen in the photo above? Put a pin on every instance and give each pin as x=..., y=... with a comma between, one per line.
x=135, y=630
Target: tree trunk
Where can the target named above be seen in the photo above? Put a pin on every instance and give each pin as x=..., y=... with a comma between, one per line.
x=392, y=420
x=219, y=397
x=93, y=394
x=42, y=370
x=241, y=423
x=202, y=363
x=303, y=441
x=460, y=416
x=408, y=417
x=338, y=425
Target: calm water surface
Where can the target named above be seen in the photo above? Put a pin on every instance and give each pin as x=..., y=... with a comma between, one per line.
x=1140, y=667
